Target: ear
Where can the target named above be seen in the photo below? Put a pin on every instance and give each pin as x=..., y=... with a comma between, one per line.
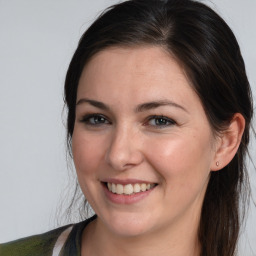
x=228, y=143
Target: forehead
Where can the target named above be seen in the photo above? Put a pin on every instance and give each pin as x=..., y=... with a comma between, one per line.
x=141, y=68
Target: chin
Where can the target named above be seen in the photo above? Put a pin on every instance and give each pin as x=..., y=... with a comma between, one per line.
x=129, y=225
x=129, y=230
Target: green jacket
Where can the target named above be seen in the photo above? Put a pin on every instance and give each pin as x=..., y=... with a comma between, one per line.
x=63, y=241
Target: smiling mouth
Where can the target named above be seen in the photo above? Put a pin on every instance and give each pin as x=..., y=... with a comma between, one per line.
x=129, y=189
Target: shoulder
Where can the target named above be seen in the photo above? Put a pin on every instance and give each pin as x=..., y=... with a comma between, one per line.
x=65, y=240
x=37, y=245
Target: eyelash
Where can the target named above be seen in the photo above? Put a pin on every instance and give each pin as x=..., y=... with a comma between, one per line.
x=167, y=121
x=99, y=119
x=86, y=119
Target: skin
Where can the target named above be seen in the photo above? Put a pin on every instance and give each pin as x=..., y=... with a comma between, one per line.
x=176, y=152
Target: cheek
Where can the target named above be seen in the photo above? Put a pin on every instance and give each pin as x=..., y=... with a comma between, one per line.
x=184, y=172
x=87, y=152
x=185, y=160
x=87, y=155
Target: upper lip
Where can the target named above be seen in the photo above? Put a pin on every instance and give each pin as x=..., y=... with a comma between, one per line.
x=127, y=181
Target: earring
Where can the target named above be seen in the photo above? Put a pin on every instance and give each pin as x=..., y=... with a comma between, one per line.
x=217, y=163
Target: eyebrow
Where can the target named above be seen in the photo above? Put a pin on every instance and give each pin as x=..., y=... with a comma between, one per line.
x=140, y=108
x=156, y=104
x=94, y=103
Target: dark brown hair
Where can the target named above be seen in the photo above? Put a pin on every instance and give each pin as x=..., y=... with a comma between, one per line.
x=207, y=49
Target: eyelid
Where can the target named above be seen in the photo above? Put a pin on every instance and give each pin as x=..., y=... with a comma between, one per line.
x=170, y=120
x=85, y=119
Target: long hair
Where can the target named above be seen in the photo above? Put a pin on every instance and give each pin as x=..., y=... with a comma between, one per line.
x=201, y=41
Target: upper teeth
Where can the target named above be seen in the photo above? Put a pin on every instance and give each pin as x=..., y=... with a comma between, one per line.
x=129, y=189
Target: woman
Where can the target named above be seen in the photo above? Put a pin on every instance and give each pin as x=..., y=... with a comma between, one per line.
x=159, y=112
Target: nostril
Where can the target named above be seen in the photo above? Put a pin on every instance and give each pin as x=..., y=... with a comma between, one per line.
x=123, y=152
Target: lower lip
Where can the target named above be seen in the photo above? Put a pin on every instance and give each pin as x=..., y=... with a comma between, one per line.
x=126, y=199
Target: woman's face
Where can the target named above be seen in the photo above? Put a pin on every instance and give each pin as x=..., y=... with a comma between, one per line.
x=142, y=145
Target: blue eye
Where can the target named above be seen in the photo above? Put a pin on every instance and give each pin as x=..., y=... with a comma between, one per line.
x=160, y=121
x=94, y=119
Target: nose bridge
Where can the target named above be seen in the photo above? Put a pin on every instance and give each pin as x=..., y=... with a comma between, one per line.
x=124, y=150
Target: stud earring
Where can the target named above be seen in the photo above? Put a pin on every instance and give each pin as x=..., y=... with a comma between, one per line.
x=217, y=163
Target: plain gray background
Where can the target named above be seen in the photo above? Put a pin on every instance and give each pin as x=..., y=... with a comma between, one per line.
x=37, y=40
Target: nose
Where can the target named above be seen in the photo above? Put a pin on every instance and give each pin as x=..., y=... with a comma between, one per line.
x=124, y=151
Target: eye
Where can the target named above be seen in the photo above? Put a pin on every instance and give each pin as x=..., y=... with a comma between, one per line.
x=160, y=121
x=94, y=119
